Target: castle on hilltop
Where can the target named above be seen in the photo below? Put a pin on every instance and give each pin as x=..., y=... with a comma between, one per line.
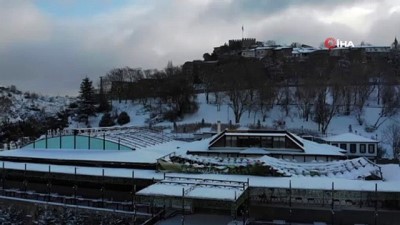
x=242, y=43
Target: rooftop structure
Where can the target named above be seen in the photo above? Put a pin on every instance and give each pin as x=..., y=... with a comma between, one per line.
x=115, y=138
x=197, y=188
x=358, y=168
x=354, y=145
x=279, y=144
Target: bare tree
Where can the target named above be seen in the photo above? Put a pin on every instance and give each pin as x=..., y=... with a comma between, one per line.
x=266, y=96
x=236, y=89
x=239, y=100
x=390, y=105
x=305, y=96
x=324, y=111
x=284, y=98
x=391, y=136
x=361, y=95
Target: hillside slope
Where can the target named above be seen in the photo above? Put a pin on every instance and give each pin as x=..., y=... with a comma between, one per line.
x=16, y=105
x=212, y=113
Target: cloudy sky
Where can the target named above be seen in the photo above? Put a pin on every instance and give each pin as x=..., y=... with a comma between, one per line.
x=48, y=46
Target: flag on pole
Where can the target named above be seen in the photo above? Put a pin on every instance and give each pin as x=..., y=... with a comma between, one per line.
x=242, y=28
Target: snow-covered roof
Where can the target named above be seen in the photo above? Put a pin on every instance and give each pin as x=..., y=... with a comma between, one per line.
x=308, y=147
x=264, y=48
x=129, y=136
x=349, y=137
x=257, y=133
x=137, y=156
x=303, y=50
x=191, y=188
x=391, y=174
x=314, y=148
x=358, y=168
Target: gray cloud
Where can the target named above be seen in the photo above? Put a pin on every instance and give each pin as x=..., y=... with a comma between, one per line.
x=51, y=55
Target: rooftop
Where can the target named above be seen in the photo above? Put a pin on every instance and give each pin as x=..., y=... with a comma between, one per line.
x=349, y=137
x=196, y=188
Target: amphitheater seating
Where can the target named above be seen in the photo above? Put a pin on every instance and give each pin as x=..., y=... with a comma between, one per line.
x=134, y=137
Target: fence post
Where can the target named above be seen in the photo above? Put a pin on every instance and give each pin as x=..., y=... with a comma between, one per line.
x=103, y=189
x=89, y=141
x=4, y=177
x=25, y=179
x=59, y=134
x=183, y=206
x=75, y=187
x=376, y=204
x=46, y=141
x=75, y=139
x=104, y=141
x=332, y=203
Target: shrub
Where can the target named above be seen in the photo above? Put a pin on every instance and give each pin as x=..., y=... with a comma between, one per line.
x=73, y=105
x=123, y=118
x=106, y=121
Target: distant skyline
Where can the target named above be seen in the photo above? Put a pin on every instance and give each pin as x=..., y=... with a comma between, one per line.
x=49, y=46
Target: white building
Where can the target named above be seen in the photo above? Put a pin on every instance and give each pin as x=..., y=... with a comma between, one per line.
x=355, y=145
x=302, y=52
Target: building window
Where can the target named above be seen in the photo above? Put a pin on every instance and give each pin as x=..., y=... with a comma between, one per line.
x=279, y=142
x=254, y=142
x=371, y=149
x=266, y=142
x=242, y=141
x=353, y=148
x=343, y=146
x=228, y=141
x=234, y=142
x=336, y=145
x=363, y=148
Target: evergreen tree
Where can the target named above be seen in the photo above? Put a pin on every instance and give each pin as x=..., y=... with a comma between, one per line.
x=86, y=102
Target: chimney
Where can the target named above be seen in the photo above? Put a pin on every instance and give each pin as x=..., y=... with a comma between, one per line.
x=218, y=127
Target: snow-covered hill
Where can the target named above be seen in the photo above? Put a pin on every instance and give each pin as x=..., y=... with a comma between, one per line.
x=16, y=105
x=212, y=113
